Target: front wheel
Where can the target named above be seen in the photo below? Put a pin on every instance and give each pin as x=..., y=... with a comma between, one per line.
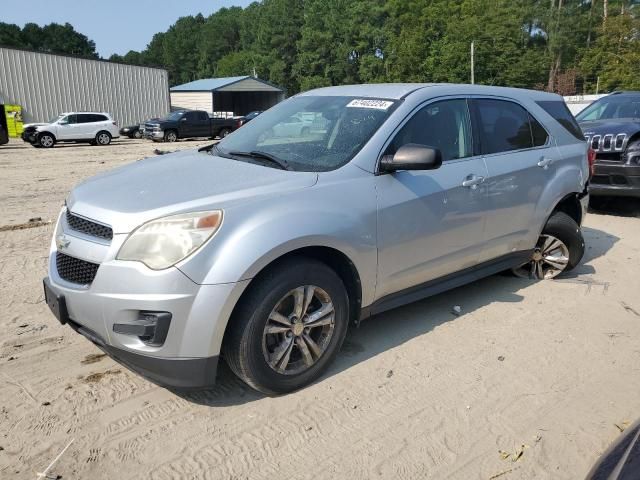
x=46, y=140
x=170, y=136
x=289, y=327
x=559, y=249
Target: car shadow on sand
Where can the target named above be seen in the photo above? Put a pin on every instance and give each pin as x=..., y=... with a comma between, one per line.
x=395, y=327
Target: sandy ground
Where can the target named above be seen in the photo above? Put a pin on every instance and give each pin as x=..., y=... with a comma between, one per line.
x=533, y=380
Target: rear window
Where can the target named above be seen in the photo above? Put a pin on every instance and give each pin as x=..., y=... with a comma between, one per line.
x=558, y=110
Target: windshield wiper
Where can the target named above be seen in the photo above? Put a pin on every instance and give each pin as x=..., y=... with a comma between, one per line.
x=280, y=162
x=213, y=149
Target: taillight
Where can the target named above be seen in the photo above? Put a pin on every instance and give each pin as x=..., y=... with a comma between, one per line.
x=591, y=158
x=239, y=124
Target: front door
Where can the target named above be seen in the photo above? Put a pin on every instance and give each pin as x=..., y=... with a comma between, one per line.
x=431, y=223
x=67, y=128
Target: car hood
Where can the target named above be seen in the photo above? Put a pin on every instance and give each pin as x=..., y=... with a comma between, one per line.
x=27, y=125
x=185, y=181
x=614, y=127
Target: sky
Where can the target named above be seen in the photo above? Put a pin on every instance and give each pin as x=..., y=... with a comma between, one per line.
x=116, y=26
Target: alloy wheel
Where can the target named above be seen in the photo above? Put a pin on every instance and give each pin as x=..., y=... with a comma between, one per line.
x=550, y=258
x=46, y=141
x=103, y=139
x=299, y=330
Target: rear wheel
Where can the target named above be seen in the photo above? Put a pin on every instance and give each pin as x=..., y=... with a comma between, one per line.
x=46, y=140
x=559, y=249
x=137, y=134
x=224, y=132
x=102, y=138
x=289, y=327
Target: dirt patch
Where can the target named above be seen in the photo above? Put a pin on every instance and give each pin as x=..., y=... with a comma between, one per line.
x=93, y=358
x=96, y=377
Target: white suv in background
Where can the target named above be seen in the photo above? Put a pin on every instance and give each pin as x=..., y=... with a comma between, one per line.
x=94, y=128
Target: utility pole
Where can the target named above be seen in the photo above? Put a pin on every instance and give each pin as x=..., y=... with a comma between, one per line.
x=473, y=79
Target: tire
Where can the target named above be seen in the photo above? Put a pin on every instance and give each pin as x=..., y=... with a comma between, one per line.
x=170, y=136
x=551, y=258
x=137, y=134
x=258, y=357
x=102, y=139
x=46, y=140
x=224, y=132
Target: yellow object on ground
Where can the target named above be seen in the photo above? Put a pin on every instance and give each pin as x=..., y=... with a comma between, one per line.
x=13, y=114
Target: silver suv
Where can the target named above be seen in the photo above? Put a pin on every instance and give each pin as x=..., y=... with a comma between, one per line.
x=263, y=248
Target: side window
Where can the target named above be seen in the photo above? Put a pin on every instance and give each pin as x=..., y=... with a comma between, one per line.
x=444, y=125
x=191, y=117
x=84, y=118
x=98, y=118
x=504, y=126
x=538, y=133
x=72, y=119
x=203, y=117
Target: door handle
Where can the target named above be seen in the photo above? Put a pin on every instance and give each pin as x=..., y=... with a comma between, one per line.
x=472, y=181
x=545, y=162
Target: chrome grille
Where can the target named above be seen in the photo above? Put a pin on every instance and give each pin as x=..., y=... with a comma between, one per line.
x=88, y=227
x=75, y=270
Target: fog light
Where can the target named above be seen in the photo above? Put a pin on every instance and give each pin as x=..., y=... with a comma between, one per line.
x=150, y=327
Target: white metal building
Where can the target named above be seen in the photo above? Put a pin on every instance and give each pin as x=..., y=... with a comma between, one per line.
x=227, y=95
x=48, y=84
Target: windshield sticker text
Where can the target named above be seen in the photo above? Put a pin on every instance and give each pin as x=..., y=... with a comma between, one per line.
x=367, y=103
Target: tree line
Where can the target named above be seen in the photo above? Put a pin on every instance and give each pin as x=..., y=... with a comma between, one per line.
x=567, y=46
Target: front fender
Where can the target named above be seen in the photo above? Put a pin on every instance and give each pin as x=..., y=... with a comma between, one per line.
x=252, y=235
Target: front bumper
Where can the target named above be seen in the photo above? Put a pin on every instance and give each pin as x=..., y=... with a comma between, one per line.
x=122, y=291
x=618, y=180
x=154, y=134
x=29, y=137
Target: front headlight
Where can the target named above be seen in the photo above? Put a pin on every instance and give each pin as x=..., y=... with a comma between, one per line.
x=162, y=243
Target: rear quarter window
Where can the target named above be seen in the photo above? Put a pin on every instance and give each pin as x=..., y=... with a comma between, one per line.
x=559, y=111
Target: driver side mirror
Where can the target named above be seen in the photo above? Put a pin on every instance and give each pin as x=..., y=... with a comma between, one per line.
x=63, y=122
x=183, y=119
x=412, y=156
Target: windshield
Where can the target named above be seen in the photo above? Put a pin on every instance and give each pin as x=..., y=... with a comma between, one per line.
x=175, y=116
x=56, y=118
x=614, y=106
x=309, y=133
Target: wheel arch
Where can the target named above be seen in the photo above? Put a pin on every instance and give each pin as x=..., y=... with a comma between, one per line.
x=569, y=204
x=55, y=139
x=335, y=259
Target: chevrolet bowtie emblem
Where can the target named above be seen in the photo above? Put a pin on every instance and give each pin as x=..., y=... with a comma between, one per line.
x=62, y=242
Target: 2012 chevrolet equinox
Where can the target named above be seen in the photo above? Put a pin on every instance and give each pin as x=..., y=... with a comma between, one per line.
x=332, y=206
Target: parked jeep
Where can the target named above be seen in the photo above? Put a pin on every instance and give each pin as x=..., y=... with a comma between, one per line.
x=611, y=126
x=264, y=248
x=189, y=124
x=93, y=128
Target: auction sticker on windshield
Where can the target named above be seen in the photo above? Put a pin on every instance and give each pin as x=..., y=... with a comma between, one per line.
x=368, y=103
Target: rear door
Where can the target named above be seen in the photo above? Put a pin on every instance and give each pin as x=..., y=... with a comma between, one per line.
x=431, y=223
x=519, y=155
x=204, y=124
x=87, y=126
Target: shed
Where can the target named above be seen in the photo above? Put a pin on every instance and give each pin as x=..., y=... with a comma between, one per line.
x=226, y=96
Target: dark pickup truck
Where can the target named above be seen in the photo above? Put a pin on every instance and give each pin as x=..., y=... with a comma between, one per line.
x=189, y=124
